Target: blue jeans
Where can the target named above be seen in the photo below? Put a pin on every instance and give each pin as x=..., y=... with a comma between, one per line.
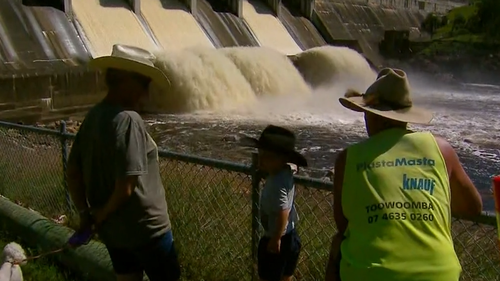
x=158, y=259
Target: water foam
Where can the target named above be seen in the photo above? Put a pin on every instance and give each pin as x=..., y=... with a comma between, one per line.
x=325, y=74
x=257, y=82
x=468, y=118
x=320, y=65
x=268, y=71
x=201, y=79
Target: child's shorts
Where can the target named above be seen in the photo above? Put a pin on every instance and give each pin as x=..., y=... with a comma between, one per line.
x=272, y=267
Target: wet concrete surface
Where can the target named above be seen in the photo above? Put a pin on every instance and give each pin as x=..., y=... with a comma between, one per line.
x=37, y=38
x=300, y=28
x=224, y=28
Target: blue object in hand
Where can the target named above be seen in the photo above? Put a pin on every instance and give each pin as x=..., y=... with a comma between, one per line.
x=80, y=238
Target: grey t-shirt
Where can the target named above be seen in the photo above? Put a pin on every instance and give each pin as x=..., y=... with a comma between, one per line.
x=113, y=143
x=277, y=195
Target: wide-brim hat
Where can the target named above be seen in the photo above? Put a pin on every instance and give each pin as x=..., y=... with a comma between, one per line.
x=278, y=140
x=390, y=97
x=133, y=59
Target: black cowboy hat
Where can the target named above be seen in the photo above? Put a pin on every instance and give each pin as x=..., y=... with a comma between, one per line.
x=278, y=140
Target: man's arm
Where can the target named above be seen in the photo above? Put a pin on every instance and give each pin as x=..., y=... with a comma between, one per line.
x=122, y=192
x=76, y=186
x=131, y=141
x=465, y=199
x=338, y=214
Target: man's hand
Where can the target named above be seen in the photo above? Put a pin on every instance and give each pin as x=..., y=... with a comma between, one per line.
x=274, y=245
x=84, y=232
x=86, y=221
x=99, y=216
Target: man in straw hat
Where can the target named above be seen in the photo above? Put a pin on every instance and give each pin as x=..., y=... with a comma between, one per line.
x=395, y=193
x=279, y=249
x=113, y=172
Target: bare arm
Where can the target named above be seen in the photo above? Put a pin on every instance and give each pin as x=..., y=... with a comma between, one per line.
x=122, y=192
x=76, y=186
x=340, y=219
x=465, y=199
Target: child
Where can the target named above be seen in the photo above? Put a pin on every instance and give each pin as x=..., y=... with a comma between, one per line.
x=280, y=246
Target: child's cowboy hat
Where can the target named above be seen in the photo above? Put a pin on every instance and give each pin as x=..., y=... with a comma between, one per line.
x=390, y=97
x=133, y=59
x=279, y=140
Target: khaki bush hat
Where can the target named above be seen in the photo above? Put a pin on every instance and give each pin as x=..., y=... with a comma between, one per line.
x=390, y=97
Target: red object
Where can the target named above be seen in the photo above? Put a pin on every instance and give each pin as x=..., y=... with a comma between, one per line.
x=496, y=193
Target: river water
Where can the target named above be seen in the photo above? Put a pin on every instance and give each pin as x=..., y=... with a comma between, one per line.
x=467, y=116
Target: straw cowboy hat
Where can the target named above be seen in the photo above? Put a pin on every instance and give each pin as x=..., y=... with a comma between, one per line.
x=279, y=140
x=390, y=97
x=131, y=59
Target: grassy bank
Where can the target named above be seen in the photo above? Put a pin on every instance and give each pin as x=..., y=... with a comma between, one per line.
x=211, y=214
x=464, y=31
x=43, y=269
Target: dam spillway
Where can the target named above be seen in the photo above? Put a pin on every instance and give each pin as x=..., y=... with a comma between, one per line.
x=223, y=24
x=267, y=28
x=37, y=39
x=48, y=37
x=107, y=22
x=173, y=24
x=300, y=28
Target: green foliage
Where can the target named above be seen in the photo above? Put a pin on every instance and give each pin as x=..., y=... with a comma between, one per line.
x=432, y=22
x=478, y=18
x=487, y=17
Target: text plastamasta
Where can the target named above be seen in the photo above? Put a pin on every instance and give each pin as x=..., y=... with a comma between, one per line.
x=399, y=205
x=397, y=162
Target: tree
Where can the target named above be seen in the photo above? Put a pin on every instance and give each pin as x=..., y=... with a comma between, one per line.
x=431, y=23
x=458, y=23
x=487, y=17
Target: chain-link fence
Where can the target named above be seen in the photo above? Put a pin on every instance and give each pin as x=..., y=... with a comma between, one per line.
x=213, y=206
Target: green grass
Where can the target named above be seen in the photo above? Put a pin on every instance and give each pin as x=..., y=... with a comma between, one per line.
x=211, y=215
x=43, y=269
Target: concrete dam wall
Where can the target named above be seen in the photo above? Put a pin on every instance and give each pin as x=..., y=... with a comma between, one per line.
x=45, y=44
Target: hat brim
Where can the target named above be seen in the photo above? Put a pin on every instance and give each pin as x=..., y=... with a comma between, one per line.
x=156, y=75
x=412, y=114
x=294, y=156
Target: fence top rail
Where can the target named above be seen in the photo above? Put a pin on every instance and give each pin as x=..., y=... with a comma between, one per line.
x=487, y=218
x=314, y=183
x=27, y=128
x=198, y=160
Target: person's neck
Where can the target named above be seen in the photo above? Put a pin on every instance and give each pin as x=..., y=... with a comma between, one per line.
x=114, y=98
x=384, y=129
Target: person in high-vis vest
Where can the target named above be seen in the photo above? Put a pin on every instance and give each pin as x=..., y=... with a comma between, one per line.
x=396, y=192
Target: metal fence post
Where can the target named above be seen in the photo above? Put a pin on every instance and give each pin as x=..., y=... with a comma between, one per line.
x=64, y=158
x=255, y=212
